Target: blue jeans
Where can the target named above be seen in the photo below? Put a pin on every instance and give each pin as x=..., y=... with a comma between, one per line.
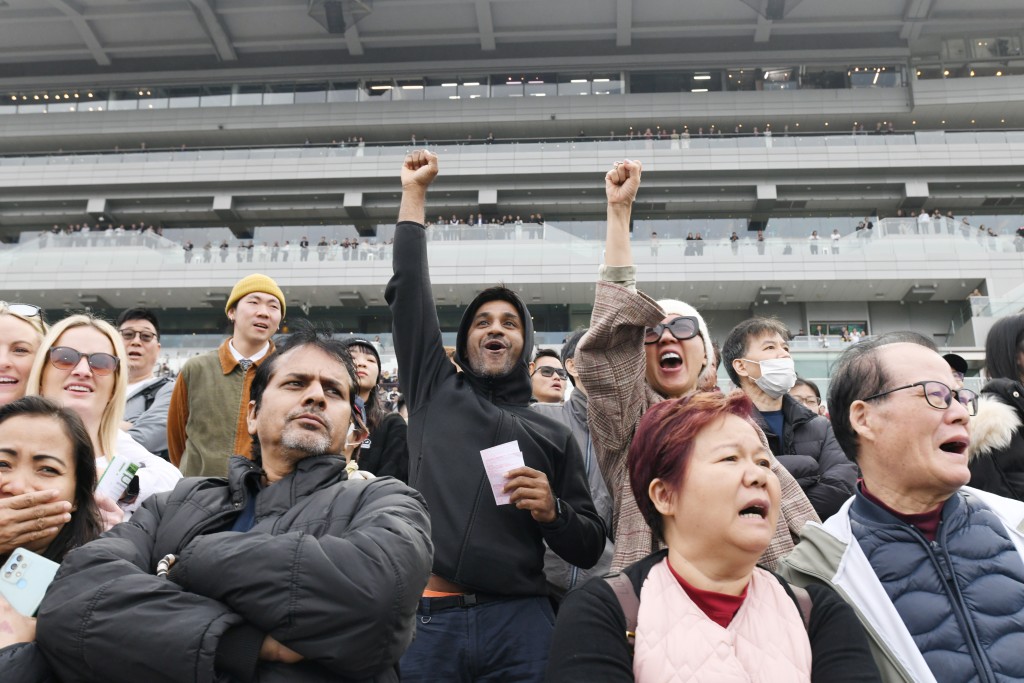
x=505, y=641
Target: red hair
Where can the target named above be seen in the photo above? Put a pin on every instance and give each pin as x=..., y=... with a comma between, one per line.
x=664, y=439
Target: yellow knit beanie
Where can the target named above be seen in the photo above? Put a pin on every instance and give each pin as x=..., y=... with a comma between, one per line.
x=255, y=283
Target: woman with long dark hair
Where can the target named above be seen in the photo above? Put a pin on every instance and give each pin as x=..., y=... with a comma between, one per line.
x=43, y=448
x=385, y=451
x=997, y=431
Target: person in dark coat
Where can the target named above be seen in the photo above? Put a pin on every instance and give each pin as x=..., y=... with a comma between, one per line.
x=385, y=452
x=756, y=356
x=997, y=431
x=486, y=615
x=283, y=571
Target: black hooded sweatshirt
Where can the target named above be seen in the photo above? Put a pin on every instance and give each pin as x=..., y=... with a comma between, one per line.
x=455, y=415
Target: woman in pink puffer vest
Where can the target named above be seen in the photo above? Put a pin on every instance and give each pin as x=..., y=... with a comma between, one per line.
x=702, y=479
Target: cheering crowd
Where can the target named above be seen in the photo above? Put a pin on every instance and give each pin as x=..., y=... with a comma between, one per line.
x=281, y=523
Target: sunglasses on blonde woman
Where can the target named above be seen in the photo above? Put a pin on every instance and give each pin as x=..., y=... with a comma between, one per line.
x=24, y=310
x=67, y=358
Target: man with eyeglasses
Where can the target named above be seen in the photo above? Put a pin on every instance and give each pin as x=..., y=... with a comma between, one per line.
x=149, y=397
x=547, y=377
x=934, y=568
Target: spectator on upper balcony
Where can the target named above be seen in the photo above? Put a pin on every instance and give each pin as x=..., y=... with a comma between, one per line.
x=924, y=223
x=321, y=248
x=304, y=248
x=997, y=431
x=206, y=420
x=637, y=353
x=813, y=239
x=756, y=356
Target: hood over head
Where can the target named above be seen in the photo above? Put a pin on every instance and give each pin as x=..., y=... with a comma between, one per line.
x=515, y=386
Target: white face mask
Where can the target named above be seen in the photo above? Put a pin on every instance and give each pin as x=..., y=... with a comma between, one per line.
x=778, y=376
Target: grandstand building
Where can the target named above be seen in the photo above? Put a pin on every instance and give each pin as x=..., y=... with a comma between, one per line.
x=239, y=124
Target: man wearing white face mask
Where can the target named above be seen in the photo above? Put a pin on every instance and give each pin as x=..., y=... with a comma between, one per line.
x=756, y=356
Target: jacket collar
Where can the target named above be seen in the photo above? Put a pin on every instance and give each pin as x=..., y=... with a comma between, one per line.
x=227, y=359
x=577, y=405
x=309, y=476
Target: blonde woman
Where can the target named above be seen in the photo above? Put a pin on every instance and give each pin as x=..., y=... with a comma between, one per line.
x=21, y=332
x=82, y=365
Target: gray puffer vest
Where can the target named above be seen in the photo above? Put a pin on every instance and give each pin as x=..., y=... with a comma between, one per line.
x=961, y=596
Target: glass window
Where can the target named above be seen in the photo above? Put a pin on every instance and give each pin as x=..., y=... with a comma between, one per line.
x=780, y=79
x=660, y=81
x=310, y=93
x=343, y=92
x=507, y=86
x=376, y=91
x=441, y=88
x=181, y=98
x=279, y=94
x=876, y=77
x=121, y=100
x=247, y=95
x=608, y=84
x=408, y=90
x=987, y=48
x=473, y=87
x=573, y=84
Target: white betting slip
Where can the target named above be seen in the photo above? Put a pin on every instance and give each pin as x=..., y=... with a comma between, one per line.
x=498, y=461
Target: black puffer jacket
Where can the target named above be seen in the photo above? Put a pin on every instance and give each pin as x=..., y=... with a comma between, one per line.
x=997, y=440
x=809, y=451
x=332, y=569
x=489, y=548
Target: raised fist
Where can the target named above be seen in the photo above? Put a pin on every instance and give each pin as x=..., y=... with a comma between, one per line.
x=419, y=169
x=622, y=182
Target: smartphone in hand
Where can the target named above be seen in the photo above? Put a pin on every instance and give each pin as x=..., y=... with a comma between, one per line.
x=24, y=578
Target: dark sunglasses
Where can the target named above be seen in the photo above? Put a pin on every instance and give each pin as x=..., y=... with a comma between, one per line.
x=67, y=358
x=547, y=371
x=129, y=334
x=24, y=310
x=682, y=328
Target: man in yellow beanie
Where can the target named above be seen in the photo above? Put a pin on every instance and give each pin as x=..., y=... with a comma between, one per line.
x=206, y=421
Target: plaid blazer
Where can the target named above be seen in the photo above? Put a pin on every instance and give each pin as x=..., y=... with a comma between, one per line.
x=611, y=362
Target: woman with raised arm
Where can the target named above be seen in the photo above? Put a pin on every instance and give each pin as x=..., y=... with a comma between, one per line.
x=637, y=353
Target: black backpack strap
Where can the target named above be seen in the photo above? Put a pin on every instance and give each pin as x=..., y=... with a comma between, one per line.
x=628, y=601
x=150, y=392
x=804, y=603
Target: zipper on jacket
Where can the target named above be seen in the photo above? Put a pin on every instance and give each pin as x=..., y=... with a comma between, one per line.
x=945, y=565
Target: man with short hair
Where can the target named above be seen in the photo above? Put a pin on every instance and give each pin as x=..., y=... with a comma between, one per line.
x=206, y=420
x=561, y=575
x=934, y=569
x=547, y=377
x=756, y=356
x=149, y=397
x=486, y=614
x=283, y=571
